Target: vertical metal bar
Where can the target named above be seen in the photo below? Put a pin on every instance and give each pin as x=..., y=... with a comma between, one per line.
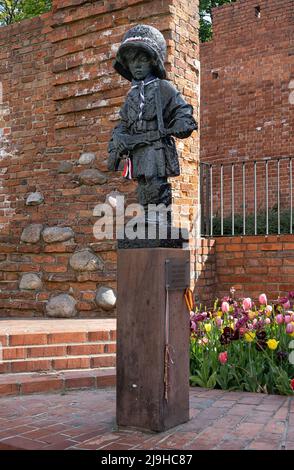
x=207, y=202
x=222, y=199
x=201, y=201
x=244, y=197
x=255, y=200
x=278, y=190
x=291, y=197
x=266, y=194
x=211, y=203
x=233, y=200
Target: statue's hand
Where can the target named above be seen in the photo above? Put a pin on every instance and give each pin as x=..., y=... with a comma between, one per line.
x=180, y=131
x=120, y=141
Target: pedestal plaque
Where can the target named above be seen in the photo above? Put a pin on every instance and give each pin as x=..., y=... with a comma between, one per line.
x=152, y=338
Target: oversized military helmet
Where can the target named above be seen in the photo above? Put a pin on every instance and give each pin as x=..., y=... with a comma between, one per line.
x=148, y=39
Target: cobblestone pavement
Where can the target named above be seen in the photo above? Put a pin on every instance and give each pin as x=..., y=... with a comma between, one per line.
x=85, y=419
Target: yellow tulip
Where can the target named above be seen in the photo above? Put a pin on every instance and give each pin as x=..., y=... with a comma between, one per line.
x=251, y=315
x=272, y=344
x=207, y=327
x=249, y=336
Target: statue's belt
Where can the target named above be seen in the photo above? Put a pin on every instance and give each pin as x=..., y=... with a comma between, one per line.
x=142, y=138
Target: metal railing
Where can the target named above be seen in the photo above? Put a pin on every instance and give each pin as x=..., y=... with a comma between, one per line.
x=247, y=197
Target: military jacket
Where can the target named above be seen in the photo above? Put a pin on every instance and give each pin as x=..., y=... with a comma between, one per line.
x=161, y=106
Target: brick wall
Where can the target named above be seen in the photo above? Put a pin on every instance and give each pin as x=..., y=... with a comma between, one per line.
x=60, y=99
x=252, y=264
x=247, y=82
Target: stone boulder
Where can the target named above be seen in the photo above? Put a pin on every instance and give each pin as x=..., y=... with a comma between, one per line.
x=85, y=260
x=106, y=298
x=65, y=167
x=61, y=306
x=86, y=158
x=30, y=281
x=32, y=233
x=57, y=234
x=35, y=199
x=91, y=177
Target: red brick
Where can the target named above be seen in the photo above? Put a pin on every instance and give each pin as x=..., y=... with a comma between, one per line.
x=69, y=337
x=14, y=353
x=86, y=349
x=4, y=340
x=30, y=366
x=99, y=335
x=9, y=389
x=79, y=382
x=27, y=339
x=103, y=361
x=41, y=385
x=46, y=351
x=71, y=363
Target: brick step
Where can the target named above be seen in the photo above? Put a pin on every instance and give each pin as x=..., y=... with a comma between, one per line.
x=57, y=363
x=48, y=350
x=27, y=383
x=44, y=338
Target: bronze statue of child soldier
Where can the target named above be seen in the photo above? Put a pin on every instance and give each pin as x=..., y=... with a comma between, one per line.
x=153, y=112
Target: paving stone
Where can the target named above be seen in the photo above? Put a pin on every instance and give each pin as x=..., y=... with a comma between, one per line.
x=262, y=445
x=86, y=420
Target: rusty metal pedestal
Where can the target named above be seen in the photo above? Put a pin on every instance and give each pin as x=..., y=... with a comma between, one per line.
x=151, y=312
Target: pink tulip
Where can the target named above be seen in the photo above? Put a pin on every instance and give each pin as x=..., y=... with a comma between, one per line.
x=225, y=307
x=223, y=357
x=255, y=321
x=242, y=330
x=193, y=326
x=292, y=317
x=287, y=305
x=262, y=299
x=218, y=322
x=247, y=303
x=267, y=321
x=279, y=319
x=290, y=328
x=287, y=318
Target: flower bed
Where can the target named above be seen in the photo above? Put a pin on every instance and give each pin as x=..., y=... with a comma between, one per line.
x=240, y=345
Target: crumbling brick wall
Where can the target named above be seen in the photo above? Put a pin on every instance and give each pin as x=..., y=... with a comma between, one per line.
x=60, y=99
x=247, y=100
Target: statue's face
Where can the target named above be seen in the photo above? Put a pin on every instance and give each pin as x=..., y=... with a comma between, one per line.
x=140, y=65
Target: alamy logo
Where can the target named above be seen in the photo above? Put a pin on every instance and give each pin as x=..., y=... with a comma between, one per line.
x=115, y=220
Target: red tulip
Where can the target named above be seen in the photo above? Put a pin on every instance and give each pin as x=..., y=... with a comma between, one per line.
x=223, y=357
